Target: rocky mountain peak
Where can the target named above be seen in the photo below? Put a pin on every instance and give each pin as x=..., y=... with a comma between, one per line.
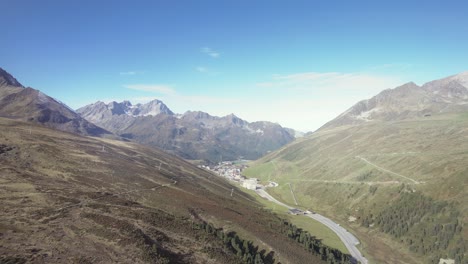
x=34, y=106
x=152, y=108
x=7, y=79
x=197, y=115
x=461, y=78
x=409, y=101
x=117, y=108
x=450, y=87
x=235, y=120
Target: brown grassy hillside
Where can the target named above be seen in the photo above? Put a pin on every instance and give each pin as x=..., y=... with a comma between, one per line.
x=72, y=199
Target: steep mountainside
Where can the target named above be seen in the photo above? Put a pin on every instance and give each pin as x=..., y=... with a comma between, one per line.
x=409, y=101
x=72, y=199
x=398, y=178
x=32, y=105
x=193, y=135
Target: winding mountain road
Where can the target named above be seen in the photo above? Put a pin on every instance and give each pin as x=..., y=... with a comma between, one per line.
x=348, y=239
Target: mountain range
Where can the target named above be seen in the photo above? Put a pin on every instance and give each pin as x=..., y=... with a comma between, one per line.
x=393, y=169
x=193, y=135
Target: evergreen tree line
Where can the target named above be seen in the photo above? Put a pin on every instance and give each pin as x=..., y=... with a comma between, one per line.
x=315, y=246
x=250, y=254
x=427, y=226
x=244, y=249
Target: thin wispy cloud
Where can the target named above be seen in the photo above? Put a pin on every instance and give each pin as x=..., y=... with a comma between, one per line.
x=131, y=72
x=310, y=99
x=210, y=52
x=128, y=73
x=201, y=69
x=331, y=82
x=154, y=88
x=180, y=102
x=205, y=70
x=392, y=66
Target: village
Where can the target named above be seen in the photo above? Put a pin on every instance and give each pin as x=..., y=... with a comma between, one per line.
x=233, y=171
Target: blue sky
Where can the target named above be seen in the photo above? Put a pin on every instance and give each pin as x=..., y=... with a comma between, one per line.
x=298, y=63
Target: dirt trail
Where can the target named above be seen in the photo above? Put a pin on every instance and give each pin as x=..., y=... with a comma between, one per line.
x=387, y=171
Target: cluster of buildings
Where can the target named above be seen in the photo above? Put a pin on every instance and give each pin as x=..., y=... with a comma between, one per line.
x=250, y=184
x=233, y=172
x=295, y=211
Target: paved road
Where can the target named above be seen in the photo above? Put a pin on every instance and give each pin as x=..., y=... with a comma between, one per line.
x=347, y=238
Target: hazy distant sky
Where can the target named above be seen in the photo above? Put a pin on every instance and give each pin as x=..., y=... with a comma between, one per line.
x=298, y=63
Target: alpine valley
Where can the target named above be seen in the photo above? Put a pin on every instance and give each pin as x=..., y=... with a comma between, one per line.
x=71, y=193
x=391, y=169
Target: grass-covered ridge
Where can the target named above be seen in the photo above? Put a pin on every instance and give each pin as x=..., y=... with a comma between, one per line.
x=358, y=171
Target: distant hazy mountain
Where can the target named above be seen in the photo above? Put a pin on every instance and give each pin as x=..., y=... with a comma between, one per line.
x=409, y=101
x=29, y=104
x=192, y=135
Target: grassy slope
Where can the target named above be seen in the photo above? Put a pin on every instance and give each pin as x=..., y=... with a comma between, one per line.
x=328, y=174
x=67, y=198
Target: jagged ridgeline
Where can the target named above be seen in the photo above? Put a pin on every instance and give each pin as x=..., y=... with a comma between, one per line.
x=193, y=135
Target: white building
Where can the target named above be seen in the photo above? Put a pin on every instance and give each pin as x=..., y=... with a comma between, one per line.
x=446, y=261
x=250, y=184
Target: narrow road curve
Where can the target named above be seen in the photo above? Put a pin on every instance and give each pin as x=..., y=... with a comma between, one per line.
x=348, y=239
x=387, y=171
